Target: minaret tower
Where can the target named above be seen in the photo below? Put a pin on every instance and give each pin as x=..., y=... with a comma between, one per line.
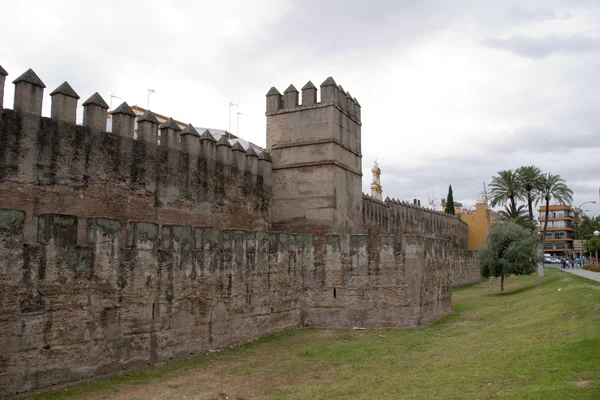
x=376, y=190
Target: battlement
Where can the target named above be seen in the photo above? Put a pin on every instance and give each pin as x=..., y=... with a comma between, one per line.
x=398, y=218
x=118, y=250
x=331, y=94
x=52, y=164
x=316, y=151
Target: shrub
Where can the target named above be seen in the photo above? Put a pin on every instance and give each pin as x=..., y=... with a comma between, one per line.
x=592, y=267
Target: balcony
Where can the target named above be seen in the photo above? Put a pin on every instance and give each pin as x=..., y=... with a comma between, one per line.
x=558, y=246
x=550, y=218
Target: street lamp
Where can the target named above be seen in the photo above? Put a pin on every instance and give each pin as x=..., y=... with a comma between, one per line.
x=586, y=202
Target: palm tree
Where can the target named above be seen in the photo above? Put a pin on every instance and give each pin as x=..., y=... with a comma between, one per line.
x=529, y=178
x=505, y=189
x=553, y=187
x=520, y=217
x=508, y=215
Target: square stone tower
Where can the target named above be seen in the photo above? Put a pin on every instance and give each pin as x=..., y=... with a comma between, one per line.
x=316, y=151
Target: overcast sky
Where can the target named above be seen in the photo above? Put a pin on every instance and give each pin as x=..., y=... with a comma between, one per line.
x=451, y=91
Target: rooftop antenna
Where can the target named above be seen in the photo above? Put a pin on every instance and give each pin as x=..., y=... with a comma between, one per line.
x=150, y=91
x=231, y=104
x=238, y=122
x=431, y=200
x=115, y=97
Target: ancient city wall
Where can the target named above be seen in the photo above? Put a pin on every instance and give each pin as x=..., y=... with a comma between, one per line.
x=118, y=251
x=137, y=293
x=53, y=165
x=316, y=151
x=398, y=218
x=465, y=269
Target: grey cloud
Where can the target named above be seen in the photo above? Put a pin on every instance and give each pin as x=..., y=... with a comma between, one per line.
x=325, y=28
x=545, y=140
x=521, y=14
x=538, y=48
x=466, y=175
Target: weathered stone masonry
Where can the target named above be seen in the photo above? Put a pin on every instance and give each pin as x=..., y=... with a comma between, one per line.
x=70, y=312
x=117, y=252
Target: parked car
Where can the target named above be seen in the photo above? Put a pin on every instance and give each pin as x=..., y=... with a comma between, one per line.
x=547, y=260
x=554, y=260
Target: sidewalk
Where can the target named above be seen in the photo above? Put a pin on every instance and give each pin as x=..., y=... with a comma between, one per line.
x=586, y=274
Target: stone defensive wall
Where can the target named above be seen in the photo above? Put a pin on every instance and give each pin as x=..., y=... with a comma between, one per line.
x=317, y=161
x=54, y=165
x=398, y=218
x=127, y=298
x=119, y=249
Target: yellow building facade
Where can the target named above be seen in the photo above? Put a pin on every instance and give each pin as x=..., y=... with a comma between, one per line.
x=479, y=224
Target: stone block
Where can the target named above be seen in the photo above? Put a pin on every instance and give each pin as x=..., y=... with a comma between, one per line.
x=11, y=244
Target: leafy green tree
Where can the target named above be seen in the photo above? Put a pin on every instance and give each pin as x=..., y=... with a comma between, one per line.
x=510, y=250
x=593, y=246
x=505, y=189
x=588, y=226
x=553, y=187
x=530, y=179
x=450, y=201
x=593, y=243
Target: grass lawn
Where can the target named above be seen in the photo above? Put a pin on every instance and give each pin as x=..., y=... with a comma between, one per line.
x=540, y=340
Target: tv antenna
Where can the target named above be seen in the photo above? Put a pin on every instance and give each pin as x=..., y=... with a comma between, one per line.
x=231, y=104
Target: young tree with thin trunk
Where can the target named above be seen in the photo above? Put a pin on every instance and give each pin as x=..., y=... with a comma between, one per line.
x=553, y=187
x=510, y=250
x=450, y=202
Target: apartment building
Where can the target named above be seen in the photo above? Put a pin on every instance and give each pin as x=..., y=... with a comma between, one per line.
x=561, y=229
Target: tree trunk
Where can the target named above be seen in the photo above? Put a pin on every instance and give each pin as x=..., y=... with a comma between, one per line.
x=502, y=284
x=513, y=205
x=545, y=224
x=529, y=205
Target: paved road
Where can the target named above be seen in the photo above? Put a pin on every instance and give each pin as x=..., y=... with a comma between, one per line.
x=595, y=276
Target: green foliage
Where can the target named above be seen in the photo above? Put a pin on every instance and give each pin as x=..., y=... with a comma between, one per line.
x=510, y=250
x=588, y=226
x=593, y=244
x=505, y=189
x=450, y=202
x=520, y=217
x=530, y=182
